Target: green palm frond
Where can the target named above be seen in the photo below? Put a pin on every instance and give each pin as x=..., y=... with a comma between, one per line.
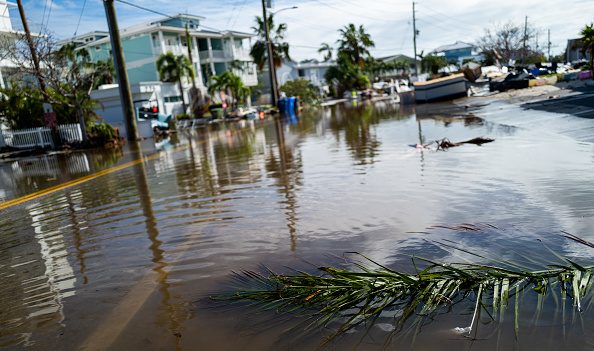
x=370, y=290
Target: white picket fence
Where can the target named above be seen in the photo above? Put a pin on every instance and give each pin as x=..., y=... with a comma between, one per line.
x=39, y=137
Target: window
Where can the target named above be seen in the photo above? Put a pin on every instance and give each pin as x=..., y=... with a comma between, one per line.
x=300, y=72
x=176, y=98
x=202, y=45
x=217, y=44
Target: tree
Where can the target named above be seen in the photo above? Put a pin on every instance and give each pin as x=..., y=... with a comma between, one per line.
x=587, y=34
x=174, y=68
x=280, y=49
x=432, y=63
x=354, y=44
x=302, y=88
x=104, y=72
x=352, y=58
x=327, y=50
x=230, y=83
x=506, y=42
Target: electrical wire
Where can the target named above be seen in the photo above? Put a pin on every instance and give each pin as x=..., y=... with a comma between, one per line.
x=49, y=14
x=80, y=17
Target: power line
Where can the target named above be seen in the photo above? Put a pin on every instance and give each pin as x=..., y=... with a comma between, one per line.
x=80, y=17
x=49, y=13
x=160, y=13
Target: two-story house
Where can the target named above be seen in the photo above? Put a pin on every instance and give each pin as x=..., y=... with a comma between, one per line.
x=214, y=52
x=458, y=52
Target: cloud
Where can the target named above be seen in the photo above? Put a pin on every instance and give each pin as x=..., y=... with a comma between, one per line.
x=316, y=21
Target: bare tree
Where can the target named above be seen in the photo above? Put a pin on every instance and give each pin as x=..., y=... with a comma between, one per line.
x=506, y=42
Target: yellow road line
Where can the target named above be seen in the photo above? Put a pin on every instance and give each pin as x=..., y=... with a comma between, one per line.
x=77, y=181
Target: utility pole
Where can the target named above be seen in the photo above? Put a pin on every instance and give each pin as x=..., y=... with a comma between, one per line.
x=271, y=68
x=48, y=112
x=121, y=73
x=525, y=39
x=33, y=51
x=415, y=33
x=549, y=45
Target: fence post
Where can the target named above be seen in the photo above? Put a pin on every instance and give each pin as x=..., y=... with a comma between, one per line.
x=40, y=136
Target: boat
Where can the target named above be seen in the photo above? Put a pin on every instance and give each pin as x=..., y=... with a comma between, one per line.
x=441, y=88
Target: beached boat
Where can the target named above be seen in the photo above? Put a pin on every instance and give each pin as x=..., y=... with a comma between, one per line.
x=441, y=88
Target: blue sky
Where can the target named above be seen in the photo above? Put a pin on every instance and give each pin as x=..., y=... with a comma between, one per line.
x=316, y=21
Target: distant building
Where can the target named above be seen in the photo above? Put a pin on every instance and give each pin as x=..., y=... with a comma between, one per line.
x=575, y=51
x=408, y=66
x=458, y=52
x=311, y=70
x=214, y=52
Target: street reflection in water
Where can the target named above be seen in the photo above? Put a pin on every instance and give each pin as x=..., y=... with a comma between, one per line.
x=120, y=261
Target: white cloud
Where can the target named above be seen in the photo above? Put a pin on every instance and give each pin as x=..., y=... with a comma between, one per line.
x=316, y=21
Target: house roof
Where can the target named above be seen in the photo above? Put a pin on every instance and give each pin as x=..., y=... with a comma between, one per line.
x=397, y=57
x=157, y=25
x=455, y=46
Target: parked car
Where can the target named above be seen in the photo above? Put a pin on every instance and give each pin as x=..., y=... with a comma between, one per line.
x=148, y=110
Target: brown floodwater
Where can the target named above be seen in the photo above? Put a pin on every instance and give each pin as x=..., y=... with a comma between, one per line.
x=124, y=260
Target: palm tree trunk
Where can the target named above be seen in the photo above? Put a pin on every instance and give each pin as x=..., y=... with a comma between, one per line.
x=181, y=90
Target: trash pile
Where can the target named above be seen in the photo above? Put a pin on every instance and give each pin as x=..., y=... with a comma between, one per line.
x=503, y=78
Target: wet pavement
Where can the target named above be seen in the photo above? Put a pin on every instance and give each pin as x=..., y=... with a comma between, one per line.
x=123, y=260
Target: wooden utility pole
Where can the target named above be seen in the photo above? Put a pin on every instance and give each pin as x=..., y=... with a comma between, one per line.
x=271, y=68
x=33, y=51
x=48, y=113
x=121, y=73
x=525, y=39
x=415, y=33
x=549, y=45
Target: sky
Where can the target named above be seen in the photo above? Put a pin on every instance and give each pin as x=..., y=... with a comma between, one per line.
x=316, y=21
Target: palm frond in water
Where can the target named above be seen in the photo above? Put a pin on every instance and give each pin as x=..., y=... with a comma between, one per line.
x=362, y=294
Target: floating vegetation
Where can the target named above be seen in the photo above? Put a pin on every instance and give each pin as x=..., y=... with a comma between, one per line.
x=369, y=290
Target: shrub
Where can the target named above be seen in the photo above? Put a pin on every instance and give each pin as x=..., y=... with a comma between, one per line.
x=302, y=88
x=102, y=133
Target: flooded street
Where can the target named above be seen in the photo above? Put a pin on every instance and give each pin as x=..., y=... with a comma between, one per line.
x=123, y=258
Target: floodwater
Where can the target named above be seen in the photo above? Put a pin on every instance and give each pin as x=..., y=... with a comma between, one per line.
x=124, y=260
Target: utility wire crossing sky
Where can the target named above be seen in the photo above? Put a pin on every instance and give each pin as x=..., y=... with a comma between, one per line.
x=315, y=21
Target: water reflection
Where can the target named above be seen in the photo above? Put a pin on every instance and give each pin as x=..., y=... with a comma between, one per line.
x=232, y=196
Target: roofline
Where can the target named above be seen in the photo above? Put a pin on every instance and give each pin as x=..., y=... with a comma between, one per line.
x=156, y=27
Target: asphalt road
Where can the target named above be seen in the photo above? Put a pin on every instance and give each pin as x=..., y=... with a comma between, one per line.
x=581, y=105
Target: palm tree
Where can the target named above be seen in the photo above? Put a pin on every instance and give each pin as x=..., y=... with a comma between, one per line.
x=280, y=49
x=104, y=72
x=231, y=83
x=354, y=43
x=174, y=68
x=587, y=34
x=327, y=50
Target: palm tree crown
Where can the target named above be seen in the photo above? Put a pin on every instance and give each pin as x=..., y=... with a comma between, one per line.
x=230, y=82
x=174, y=68
x=354, y=44
x=280, y=49
x=587, y=34
x=327, y=50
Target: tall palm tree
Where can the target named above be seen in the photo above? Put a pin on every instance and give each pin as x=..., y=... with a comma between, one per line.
x=174, y=68
x=280, y=49
x=587, y=34
x=354, y=43
x=327, y=50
